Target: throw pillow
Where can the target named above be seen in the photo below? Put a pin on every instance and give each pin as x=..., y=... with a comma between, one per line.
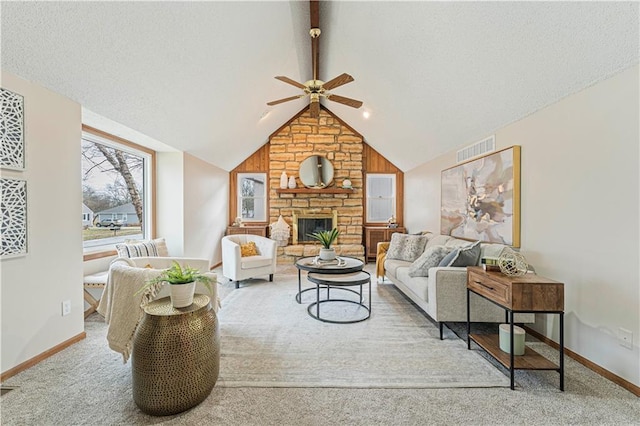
x=467, y=256
x=153, y=248
x=248, y=249
x=448, y=259
x=406, y=247
x=429, y=259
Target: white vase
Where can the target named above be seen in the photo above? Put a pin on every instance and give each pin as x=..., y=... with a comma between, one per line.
x=283, y=180
x=327, y=254
x=292, y=182
x=182, y=294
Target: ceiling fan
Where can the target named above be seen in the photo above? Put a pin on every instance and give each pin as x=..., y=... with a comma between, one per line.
x=316, y=88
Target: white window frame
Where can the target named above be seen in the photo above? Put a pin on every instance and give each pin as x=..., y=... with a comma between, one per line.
x=263, y=198
x=393, y=197
x=147, y=197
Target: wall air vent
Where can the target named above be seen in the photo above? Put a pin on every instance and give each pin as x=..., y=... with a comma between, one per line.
x=476, y=149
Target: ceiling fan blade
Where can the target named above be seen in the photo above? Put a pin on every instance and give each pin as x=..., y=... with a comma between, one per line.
x=291, y=82
x=279, y=101
x=314, y=109
x=346, y=101
x=343, y=78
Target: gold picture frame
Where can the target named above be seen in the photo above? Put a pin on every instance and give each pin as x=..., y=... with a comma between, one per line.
x=480, y=199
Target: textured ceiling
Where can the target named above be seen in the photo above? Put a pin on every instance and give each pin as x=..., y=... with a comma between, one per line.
x=435, y=76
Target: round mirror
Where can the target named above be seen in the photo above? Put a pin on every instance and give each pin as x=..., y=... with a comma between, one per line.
x=316, y=172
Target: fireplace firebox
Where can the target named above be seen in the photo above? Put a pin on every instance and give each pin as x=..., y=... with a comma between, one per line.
x=308, y=222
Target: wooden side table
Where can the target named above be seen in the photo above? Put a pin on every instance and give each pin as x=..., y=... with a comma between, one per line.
x=176, y=356
x=524, y=294
x=377, y=234
x=253, y=230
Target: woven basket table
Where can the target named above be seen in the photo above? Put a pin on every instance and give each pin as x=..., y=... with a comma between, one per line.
x=176, y=356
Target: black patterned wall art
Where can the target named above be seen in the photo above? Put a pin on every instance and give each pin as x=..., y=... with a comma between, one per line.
x=12, y=130
x=13, y=230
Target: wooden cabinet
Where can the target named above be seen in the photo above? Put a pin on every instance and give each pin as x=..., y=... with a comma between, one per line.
x=528, y=293
x=375, y=235
x=254, y=230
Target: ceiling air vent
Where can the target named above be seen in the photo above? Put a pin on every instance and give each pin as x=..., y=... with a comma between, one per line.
x=478, y=148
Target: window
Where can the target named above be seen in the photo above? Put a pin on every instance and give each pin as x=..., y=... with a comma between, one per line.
x=381, y=197
x=252, y=197
x=116, y=195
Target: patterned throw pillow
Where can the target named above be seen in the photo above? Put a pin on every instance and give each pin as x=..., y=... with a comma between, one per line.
x=467, y=256
x=429, y=259
x=153, y=248
x=406, y=247
x=248, y=249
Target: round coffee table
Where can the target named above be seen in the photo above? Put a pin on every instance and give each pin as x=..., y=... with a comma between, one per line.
x=347, y=265
x=340, y=282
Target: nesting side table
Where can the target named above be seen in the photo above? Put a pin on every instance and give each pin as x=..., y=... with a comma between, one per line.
x=176, y=356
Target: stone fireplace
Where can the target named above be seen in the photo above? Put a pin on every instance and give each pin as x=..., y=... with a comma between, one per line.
x=326, y=136
x=306, y=222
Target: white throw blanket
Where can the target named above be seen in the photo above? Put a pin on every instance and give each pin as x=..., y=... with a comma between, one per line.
x=119, y=304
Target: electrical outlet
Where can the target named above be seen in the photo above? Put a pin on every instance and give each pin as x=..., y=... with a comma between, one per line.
x=66, y=307
x=625, y=337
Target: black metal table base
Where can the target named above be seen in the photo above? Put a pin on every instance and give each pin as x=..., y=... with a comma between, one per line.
x=339, y=282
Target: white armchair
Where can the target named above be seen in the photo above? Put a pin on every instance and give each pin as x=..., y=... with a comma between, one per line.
x=237, y=268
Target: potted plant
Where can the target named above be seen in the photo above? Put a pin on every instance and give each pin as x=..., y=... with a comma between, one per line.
x=182, y=281
x=326, y=238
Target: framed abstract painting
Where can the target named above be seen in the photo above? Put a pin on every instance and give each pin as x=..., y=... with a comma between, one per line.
x=13, y=237
x=480, y=199
x=12, y=131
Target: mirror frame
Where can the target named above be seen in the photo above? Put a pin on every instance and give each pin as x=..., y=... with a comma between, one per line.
x=308, y=176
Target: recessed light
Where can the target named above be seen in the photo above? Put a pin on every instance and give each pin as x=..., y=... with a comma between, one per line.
x=366, y=114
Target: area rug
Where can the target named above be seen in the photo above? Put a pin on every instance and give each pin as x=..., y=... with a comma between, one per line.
x=269, y=340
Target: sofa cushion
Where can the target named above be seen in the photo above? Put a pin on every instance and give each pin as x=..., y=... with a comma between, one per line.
x=255, y=262
x=438, y=240
x=391, y=267
x=418, y=285
x=406, y=247
x=466, y=256
x=429, y=259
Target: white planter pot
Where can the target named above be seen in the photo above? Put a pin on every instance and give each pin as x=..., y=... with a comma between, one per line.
x=182, y=294
x=327, y=254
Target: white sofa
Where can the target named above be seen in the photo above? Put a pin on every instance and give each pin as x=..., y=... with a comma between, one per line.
x=443, y=293
x=237, y=268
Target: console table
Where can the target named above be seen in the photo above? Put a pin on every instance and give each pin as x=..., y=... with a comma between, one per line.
x=529, y=293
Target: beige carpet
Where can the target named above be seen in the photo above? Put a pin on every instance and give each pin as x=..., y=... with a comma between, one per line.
x=269, y=340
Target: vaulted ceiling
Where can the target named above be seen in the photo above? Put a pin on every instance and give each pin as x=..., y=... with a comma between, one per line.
x=434, y=76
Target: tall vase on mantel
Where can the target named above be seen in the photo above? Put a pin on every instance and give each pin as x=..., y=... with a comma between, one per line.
x=292, y=182
x=283, y=180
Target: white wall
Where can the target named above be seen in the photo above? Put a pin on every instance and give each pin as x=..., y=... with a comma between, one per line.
x=206, y=208
x=34, y=286
x=169, y=201
x=580, y=213
x=193, y=205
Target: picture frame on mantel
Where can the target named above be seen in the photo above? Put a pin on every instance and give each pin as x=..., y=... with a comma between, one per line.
x=480, y=199
x=12, y=132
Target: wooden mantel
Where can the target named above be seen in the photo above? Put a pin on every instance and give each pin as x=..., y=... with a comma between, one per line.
x=314, y=190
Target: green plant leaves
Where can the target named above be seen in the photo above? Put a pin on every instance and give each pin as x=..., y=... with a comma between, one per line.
x=326, y=238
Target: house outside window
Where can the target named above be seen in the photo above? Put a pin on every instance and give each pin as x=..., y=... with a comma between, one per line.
x=115, y=189
x=252, y=197
x=381, y=197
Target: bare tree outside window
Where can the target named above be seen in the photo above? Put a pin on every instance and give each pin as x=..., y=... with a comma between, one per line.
x=113, y=189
